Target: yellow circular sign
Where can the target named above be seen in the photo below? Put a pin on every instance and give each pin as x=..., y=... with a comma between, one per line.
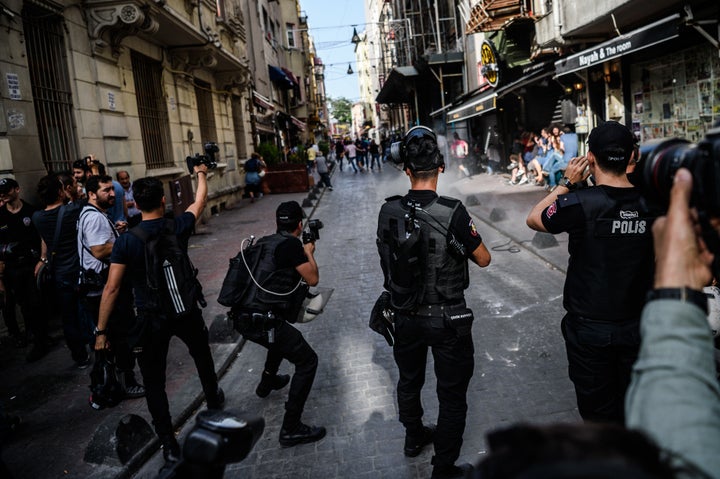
x=489, y=62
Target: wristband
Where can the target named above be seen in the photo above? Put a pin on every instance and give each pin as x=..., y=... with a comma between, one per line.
x=44, y=260
x=203, y=172
x=684, y=294
x=100, y=332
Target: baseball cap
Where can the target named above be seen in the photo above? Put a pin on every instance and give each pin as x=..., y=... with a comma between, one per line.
x=609, y=138
x=7, y=185
x=289, y=212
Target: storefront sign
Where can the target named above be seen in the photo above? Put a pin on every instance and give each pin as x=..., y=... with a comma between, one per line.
x=488, y=69
x=473, y=107
x=645, y=37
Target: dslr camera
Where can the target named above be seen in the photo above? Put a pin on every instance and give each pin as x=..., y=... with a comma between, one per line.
x=218, y=438
x=659, y=161
x=207, y=159
x=313, y=233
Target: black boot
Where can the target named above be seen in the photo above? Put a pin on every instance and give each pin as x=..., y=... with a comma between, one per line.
x=414, y=443
x=270, y=383
x=170, y=448
x=217, y=401
x=301, y=434
x=132, y=388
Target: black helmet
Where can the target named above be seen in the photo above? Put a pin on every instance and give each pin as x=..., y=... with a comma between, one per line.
x=418, y=150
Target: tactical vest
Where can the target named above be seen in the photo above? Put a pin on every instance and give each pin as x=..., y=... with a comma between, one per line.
x=274, y=280
x=611, y=261
x=443, y=275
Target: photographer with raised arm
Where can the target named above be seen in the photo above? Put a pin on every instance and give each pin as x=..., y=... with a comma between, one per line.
x=279, y=285
x=164, y=308
x=425, y=241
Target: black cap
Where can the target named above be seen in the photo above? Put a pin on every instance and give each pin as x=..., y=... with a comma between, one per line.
x=7, y=185
x=289, y=212
x=609, y=139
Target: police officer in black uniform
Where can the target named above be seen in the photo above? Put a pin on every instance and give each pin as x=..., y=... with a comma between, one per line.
x=609, y=272
x=21, y=257
x=437, y=234
x=286, y=267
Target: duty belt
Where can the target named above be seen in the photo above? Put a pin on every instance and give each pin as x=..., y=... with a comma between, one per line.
x=434, y=309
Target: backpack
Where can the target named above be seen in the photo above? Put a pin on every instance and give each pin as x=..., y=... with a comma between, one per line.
x=252, y=165
x=171, y=279
x=253, y=282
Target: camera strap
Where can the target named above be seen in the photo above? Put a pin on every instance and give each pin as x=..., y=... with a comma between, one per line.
x=249, y=270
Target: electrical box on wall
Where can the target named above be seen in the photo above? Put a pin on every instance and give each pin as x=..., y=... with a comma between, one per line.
x=615, y=106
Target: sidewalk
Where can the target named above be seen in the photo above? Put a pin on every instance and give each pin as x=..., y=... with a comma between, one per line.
x=62, y=436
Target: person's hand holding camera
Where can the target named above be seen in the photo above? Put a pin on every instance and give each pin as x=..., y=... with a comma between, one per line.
x=201, y=168
x=683, y=259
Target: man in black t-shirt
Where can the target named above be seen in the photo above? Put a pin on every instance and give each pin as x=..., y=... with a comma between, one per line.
x=19, y=263
x=65, y=263
x=153, y=330
x=609, y=272
x=265, y=321
x=433, y=314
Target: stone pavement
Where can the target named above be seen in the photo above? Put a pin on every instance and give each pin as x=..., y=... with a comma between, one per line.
x=520, y=361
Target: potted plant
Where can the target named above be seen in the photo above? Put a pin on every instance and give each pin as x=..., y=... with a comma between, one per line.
x=282, y=176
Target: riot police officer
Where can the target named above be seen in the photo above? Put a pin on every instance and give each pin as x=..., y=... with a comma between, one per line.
x=424, y=241
x=609, y=272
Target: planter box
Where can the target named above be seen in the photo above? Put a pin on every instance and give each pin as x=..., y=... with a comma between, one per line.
x=287, y=178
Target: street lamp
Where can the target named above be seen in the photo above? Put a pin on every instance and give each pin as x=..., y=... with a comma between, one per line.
x=355, y=38
x=350, y=70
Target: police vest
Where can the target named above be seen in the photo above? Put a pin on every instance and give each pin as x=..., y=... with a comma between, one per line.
x=611, y=260
x=443, y=275
x=277, y=293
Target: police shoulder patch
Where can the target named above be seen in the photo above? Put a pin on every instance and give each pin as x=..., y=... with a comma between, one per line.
x=568, y=199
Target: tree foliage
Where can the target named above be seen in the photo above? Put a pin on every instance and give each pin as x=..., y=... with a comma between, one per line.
x=341, y=109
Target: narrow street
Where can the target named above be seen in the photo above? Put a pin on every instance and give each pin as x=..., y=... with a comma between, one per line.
x=520, y=368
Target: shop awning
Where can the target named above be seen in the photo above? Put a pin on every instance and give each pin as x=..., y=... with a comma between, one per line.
x=474, y=106
x=531, y=74
x=397, y=87
x=647, y=36
x=298, y=123
x=290, y=76
x=278, y=76
x=262, y=101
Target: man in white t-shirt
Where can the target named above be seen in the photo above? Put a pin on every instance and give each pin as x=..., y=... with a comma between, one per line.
x=96, y=237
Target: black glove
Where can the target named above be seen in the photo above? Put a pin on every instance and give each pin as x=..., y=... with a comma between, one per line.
x=382, y=318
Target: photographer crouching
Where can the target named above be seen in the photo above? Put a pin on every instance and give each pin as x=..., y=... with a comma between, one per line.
x=285, y=268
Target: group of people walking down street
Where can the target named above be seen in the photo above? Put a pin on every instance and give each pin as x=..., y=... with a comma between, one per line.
x=639, y=350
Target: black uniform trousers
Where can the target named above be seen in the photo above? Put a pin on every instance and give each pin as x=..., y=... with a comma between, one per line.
x=600, y=360
x=454, y=365
x=21, y=288
x=192, y=331
x=289, y=344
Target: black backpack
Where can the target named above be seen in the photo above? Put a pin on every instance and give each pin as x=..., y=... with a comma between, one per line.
x=171, y=279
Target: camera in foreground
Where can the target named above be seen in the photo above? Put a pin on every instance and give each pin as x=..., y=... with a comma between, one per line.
x=207, y=159
x=656, y=168
x=219, y=438
x=313, y=233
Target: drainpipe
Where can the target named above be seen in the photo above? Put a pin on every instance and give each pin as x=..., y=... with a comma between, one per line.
x=557, y=20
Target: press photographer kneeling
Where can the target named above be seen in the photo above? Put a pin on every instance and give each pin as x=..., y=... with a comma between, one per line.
x=281, y=268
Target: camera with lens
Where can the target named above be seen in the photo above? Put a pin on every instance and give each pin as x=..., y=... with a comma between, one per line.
x=207, y=159
x=218, y=438
x=313, y=233
x=656, y=168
